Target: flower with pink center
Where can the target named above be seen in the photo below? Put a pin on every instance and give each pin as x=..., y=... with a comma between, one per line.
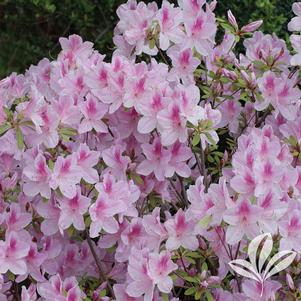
x=34, y=260
x=160, y=266
x=137, y=87
x=116, y=161
x=273, y=210
x=121, y=192
x=15, y=219
x=256, y=291
x=102, y=215
x=122, y=295
x=169, y=19
x=142, y=283
x=154, y=228
x=230, y=111
x=289, y=228
x=37, y=176
x=157, y=160
x=86, y=160
x=181, y=232
x=191, y=7
x=281, y=93
x=243, y=220
x=180, y=154
x=65, y=176
x=97, y=80
x=172, y=124
x=135, y=20
x=50, y=212
x=56, y=289
x=93, y=111
x=150, y=109
x=183, y=64
x=66, y=110
x=201, y=31
x=12, y=254
x=244, y=182
x=73, y=47
x=46, y=122
x=72, y=211
x=267, y=175
x=73, y=84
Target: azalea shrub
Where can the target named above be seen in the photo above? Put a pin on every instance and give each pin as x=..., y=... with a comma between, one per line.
x=143, y=177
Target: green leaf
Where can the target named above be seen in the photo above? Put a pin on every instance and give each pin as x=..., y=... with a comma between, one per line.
x=190, y=291
x=196, y=139
x=165, y=297
x=4, y=128
x=198, y=295
x=209, y=296
x=205, y=221
x=137, y=179
x=191, y=279
x=103, y=293
x=20, y=138
x=204, y=266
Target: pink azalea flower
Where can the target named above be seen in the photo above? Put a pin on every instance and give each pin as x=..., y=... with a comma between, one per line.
x=243, y=220
x=180, y=154
x=160, y=266
x=137, y=88
x=86, y=159
x=93, y=111
x=181, y=232
x=157, y=160
x=12, y=254
x=154, y=228
x=183, y=64
x=65, y=176
x=122, y=295
x=201, y=31
x=33, y=260
x=255, y=292
x=295, y=23
x=169, y=19
x=46, y=122
x=171, y=124
x=289, y=228
x=72, y=211
x=150, y=109
x=102, y=215
x=15, y=219
x=66, y=110
x=50, y=213
x=37, y=176
x=116, y=162
x=28, y=294
x=142, y=283
x=281, y=93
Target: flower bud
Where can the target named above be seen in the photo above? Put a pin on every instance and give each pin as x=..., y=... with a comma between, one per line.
x=232, y=19
x=252, y=26
x=290, y=281
x=230, y=74
x=212, y=5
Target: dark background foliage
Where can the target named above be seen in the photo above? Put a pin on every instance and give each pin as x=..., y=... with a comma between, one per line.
x=29, y=29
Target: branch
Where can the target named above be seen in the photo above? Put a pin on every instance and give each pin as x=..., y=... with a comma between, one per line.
x=203, y=168
x=102, y=274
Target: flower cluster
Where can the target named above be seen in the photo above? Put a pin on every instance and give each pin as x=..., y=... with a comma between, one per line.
x=142, y=177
